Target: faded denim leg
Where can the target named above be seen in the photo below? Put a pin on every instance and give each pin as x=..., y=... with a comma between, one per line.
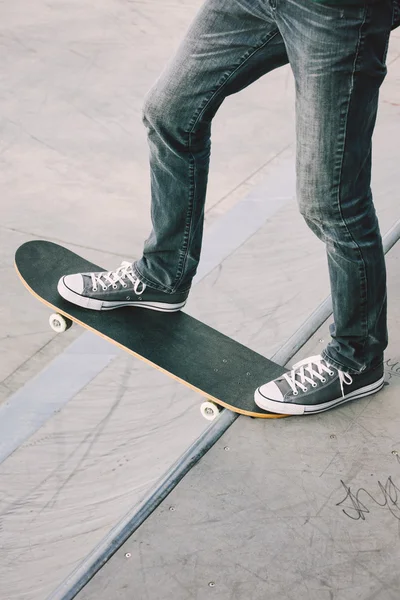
x=229, y=45
x=338, y=58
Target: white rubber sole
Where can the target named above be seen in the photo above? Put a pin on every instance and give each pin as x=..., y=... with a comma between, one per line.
x=94, y=304
x=286, y=408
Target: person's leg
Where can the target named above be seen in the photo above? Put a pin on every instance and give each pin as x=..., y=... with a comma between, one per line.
x=337, y=55
x=229, y=45
x=338, y=73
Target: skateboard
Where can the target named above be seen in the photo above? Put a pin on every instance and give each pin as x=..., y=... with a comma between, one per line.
x=223, y=371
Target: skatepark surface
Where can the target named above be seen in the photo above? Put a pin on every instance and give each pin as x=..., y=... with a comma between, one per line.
x=299, y=508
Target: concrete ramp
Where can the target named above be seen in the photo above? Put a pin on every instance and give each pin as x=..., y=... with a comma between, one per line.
x=299, y=509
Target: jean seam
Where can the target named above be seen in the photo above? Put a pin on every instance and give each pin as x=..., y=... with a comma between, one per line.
x=362, y=268
x=183, y=251
x=192, y=167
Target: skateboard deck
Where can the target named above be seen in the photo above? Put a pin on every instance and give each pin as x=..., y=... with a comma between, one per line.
x=223, y=371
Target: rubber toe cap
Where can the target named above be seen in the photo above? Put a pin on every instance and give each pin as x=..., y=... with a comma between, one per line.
x=71, y=282
x=271, y=391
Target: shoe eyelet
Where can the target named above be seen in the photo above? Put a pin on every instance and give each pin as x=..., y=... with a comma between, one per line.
x=115, y=286
x=124, y=285
x=314, y=384
x=95, y=289
x=331, y=373
x=295, y=393
x=104, y=289
x=323, y=380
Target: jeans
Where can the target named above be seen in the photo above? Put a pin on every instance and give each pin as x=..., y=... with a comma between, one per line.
x=337, y=55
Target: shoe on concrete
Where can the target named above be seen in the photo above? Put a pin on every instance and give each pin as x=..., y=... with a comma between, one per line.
x=313, y=385
x=112, y=289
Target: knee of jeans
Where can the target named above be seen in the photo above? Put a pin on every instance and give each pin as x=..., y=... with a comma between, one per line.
x=161, y=111
x=153, y=108
x=315, y=225
x=312, y=214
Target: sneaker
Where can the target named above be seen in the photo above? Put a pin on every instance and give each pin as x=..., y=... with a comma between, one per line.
x=112, y=289
x=313, y=385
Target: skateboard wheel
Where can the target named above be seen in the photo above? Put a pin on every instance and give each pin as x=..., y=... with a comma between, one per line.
x=59, y=323
x=209, y=410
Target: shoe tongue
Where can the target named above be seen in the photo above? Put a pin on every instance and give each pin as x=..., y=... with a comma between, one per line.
x=283, y=385
x=86, y=277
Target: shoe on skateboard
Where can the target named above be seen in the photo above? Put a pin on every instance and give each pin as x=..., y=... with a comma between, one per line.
x=106, y=290
x=313, y=385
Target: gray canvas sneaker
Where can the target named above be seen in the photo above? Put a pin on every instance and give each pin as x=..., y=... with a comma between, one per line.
x=313, y=385
x=113, y=289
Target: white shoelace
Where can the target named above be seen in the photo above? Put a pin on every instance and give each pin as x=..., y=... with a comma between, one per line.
x=316, y=367
x=113, y=278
